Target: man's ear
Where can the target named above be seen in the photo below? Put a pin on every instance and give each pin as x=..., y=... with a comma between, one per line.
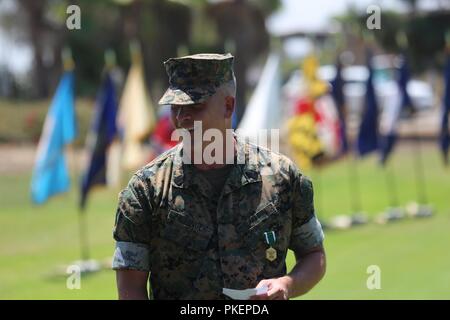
x=229, y=106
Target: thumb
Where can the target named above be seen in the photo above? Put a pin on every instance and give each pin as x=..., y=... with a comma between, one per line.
x=263, y=283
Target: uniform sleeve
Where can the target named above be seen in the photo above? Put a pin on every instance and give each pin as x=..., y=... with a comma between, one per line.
x=132, y=229
x=306, y=229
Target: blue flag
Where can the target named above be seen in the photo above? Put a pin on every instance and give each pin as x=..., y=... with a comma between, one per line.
x=404, y=104
x=50, y=174
x=444, y=139
x=103, y=132
x=367, y=140
x=338, y=95
x=403, y=79
x=234, y=119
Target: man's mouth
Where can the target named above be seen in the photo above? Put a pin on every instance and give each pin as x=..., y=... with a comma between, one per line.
x=188, y=128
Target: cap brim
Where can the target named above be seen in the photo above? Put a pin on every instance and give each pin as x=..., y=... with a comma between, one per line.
x=186, y=97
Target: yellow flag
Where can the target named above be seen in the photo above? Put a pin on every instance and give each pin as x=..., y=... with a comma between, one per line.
x=315, y=86
x=136, y=118
x=303, y=140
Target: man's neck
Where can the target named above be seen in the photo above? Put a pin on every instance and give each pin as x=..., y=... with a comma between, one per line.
x=202, y=165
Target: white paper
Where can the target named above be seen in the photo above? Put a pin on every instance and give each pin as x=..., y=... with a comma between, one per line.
x=244, y=294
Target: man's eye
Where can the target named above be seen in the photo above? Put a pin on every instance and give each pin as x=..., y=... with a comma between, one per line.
x=198, y=106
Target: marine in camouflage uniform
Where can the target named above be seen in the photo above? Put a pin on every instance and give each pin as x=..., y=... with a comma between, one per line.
x=193, y=244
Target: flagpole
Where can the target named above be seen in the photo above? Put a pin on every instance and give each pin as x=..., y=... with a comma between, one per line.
x=419, y=166
x=319, y=193
x=110, y=62
x=355, y=195
x=444, y=137
x=82, y=219
x=84, y=244
x=82, y=225
x=391, y=186
x=69, y=66
x=418, y=163
x=317, y=182
x=367, y=139
x=416, y=142
x=422, y=208
x=352, y=164
x=420, y=171
x=390, y=140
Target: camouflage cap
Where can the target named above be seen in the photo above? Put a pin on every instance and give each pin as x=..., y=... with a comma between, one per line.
x=192, y=79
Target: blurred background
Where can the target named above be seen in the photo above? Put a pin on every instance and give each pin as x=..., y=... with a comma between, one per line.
x=359, y=91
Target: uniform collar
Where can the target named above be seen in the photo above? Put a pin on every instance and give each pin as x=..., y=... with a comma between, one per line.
x=243, y=172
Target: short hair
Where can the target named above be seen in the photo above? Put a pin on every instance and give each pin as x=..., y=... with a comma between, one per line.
x=225, y=90
x=228, y=88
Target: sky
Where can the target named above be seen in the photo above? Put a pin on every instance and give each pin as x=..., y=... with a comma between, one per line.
x=15, y=56
x=315, y=15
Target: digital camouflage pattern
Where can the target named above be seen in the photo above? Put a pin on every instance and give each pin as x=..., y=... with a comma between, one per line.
x=192, y=79
x=164, y=225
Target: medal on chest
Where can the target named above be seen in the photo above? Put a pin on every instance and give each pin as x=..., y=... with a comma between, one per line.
x=271, y=253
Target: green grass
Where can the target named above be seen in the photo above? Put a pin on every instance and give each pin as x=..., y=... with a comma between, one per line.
x=413, y=254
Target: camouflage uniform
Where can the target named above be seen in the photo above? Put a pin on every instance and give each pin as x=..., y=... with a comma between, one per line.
x=164, y=223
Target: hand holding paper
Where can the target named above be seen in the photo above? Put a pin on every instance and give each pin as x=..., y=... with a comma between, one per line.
x=244, y=294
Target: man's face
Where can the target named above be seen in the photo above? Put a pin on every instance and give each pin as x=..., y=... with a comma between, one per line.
x=213, y=113
x=184, y=116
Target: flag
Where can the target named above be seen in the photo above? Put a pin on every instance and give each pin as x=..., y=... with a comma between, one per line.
x=393, y=111
x=328, y=126
x=234, y=119
x=136, y=117
x=337, y=92
x=367, y=140
x=162, y=135
x=444, y=134
x=303, y=134
x=50, y=175
x=403, y=78
x=161, y=139
x=311, y=127
x=263, y=109
x=103, y=131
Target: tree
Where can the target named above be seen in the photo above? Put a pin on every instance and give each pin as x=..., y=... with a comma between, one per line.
x=243, y=23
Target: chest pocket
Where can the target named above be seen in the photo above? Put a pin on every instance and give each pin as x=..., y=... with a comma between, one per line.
x=264, y=220
x=186, y=232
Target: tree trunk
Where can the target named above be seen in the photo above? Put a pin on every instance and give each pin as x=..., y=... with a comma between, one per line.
x=36, y=27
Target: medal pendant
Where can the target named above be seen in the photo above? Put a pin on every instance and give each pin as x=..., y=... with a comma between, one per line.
x=271, y=254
